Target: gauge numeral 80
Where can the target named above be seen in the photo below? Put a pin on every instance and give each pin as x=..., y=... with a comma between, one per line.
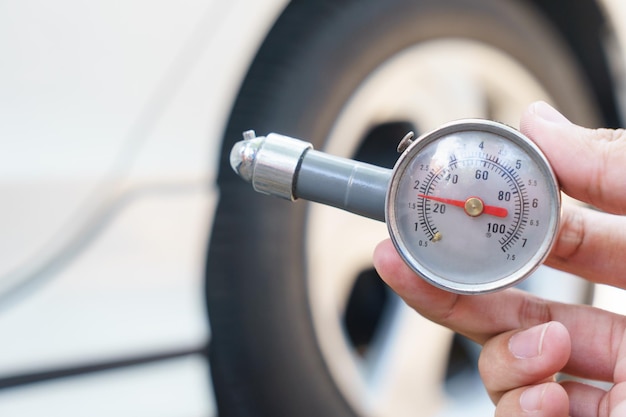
x=504, y=196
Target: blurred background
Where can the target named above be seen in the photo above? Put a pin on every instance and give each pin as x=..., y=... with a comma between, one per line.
x=140, y=277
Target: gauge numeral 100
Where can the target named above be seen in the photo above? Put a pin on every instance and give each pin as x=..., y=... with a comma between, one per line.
x=496, y=228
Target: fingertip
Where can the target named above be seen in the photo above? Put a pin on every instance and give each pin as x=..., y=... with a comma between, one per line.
x=549, y=343
x=555, y=400
x=541, y=112
x=386, y=260
x=547, y=399
x=382, y=251
x=391, y=267
x=542, y=123
x=585, y=160
x=558, y=332
x=531, y=399
x=564, y=144
x=522, y=357
x=545, y=112
x=558, y=343
x=537, y=340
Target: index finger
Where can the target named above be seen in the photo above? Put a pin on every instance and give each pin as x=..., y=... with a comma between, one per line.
x=589, y=163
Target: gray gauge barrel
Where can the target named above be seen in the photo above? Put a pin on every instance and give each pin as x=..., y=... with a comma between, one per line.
x=289, y=168
x=339, y=182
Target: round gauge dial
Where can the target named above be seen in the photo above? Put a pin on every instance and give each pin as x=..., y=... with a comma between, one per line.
x=473, y=206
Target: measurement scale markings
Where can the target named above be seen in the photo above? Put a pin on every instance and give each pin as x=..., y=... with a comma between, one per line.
x=492, y=163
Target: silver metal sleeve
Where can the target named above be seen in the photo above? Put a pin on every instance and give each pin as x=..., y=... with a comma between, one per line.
x=269, y=163
x=350, y=185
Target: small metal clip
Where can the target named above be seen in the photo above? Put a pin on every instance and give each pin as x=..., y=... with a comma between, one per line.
x=405, y=142
x=249, y=134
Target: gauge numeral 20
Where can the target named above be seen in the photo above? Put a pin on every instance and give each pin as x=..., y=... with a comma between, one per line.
x=439, y=208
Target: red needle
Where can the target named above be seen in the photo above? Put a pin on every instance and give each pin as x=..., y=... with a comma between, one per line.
x=492, y=210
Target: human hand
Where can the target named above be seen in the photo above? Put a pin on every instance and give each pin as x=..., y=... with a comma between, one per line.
x=527, y=340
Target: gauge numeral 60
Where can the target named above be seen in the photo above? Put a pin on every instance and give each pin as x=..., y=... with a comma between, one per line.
x=481, y=175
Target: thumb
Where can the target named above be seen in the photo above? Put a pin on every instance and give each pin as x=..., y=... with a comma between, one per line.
x=589, y=163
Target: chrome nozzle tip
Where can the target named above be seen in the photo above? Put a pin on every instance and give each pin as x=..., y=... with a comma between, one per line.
x=269, y=162
x=243, y=157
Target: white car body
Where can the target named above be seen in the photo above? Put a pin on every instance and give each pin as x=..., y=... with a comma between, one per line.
x=111, y=116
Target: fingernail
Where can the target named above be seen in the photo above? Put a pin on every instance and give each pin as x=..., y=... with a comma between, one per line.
x=528, y=343
x=548, y=113
x=618, y=410
x=531, y=399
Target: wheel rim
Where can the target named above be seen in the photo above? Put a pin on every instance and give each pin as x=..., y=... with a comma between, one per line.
x=404, y=366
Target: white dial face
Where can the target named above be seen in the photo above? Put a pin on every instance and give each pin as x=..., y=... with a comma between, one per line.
x=473, y=207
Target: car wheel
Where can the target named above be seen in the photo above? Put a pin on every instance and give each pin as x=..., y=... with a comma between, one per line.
x=301, y=325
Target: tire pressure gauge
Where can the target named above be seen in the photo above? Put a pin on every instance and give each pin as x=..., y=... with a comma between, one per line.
x=472, y=207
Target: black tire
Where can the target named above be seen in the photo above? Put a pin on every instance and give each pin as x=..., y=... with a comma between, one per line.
x=265, y=360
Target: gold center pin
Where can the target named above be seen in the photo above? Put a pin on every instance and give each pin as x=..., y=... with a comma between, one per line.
x=474, y=206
